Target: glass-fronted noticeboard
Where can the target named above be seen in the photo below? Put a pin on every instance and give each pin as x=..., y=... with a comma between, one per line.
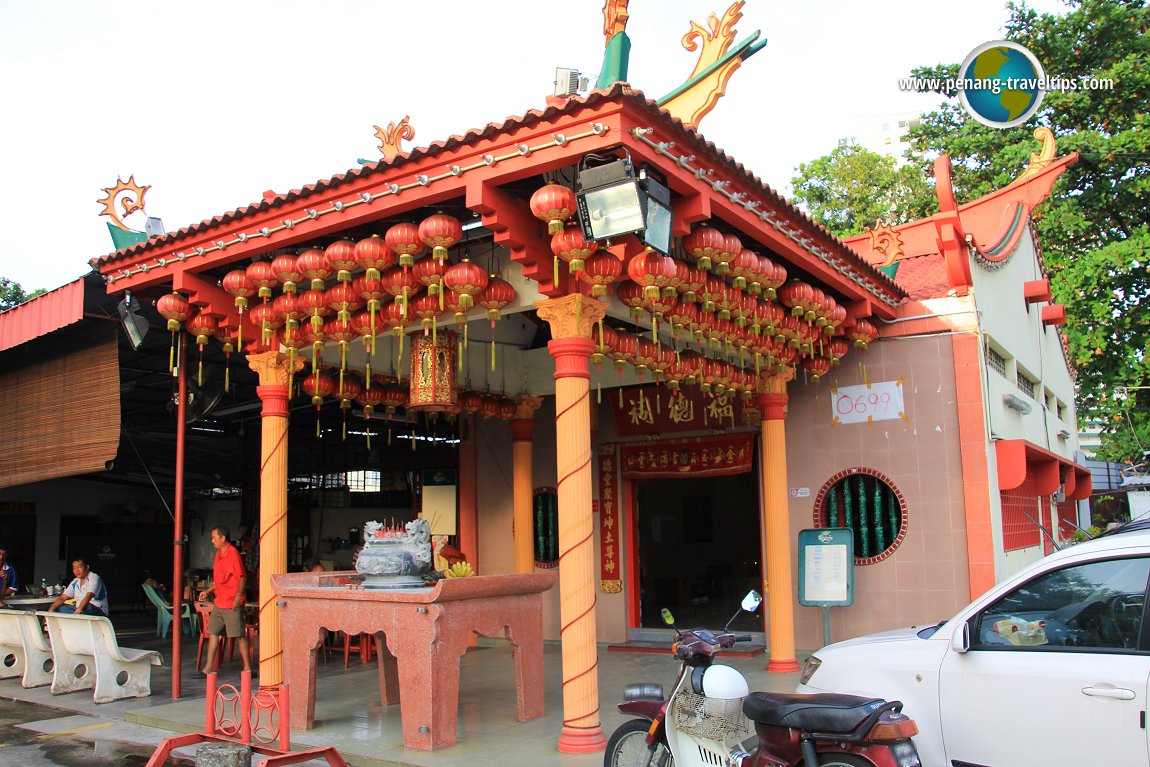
x=826, y=567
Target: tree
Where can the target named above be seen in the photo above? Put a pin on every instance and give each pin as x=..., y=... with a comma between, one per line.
x=850, y=188
x=11, y=294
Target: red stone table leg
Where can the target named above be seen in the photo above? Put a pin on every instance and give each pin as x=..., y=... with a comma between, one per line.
x=429, y=684
x=388, y=671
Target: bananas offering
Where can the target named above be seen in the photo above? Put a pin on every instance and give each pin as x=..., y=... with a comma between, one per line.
x=459, y=570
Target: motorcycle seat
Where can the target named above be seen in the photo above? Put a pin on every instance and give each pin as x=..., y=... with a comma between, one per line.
x=824, y=712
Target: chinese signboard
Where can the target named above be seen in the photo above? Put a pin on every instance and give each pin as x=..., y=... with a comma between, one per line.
x=610, y=581
x=651, y=409
x=698, y=457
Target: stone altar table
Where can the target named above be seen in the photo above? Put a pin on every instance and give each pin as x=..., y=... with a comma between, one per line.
x=420, y=635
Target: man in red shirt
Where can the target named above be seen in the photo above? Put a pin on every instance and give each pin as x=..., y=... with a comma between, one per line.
x=228, y=613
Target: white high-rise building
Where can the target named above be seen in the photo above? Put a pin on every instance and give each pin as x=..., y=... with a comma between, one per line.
x=887, y=134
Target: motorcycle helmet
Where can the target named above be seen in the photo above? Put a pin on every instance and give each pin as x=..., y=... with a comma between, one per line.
x=724, y=682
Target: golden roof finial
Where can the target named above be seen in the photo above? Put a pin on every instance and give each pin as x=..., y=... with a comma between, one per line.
x=614, y=18
x=1044, y=157
x=131, y=201
x=389, y=140
x=885, y=240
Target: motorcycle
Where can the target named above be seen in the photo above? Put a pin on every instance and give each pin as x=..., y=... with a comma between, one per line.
x=711, y=719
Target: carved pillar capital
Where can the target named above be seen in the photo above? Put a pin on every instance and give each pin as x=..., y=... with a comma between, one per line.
x=272, y=368
x=526, y=405
x=772, y=399
x=572, y=316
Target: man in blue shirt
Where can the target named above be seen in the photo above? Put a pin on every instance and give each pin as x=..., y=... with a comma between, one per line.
x=9, y=581
x=86, y=591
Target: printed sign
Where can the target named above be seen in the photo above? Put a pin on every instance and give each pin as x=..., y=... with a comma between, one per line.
x=867, y=403
x=826, y=567
x=800, y=492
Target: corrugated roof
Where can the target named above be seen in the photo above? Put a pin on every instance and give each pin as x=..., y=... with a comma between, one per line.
x=43, y=314
x=595, y=98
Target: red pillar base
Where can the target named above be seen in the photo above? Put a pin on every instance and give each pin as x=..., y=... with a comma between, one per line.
x=581, y=741
x=783, y=665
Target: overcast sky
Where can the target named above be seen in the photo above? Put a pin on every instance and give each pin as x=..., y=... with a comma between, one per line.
x=211, y=103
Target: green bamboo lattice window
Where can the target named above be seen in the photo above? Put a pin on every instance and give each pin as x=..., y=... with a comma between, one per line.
x=545, y=512
x=871, y=508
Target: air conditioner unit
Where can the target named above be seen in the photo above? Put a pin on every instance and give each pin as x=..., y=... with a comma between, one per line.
x=569, y=81
x=1060, y=494
x=1014, y=402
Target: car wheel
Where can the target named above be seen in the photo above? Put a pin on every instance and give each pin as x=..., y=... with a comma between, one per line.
x=628, y=747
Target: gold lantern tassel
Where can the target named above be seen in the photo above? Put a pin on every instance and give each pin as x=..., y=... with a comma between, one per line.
x=227, y=372
x=464, y=339
x=367, y=428
x=658, y=403
x=389, y=435
x=200, y=369
x=413, y=439
x=493, y=352
x=172, y=355
x=317, y=422
x=367, y=374
x=620, y=396
x=459, y=354
x=344, y=437
x=440, y=296
x=555, y=270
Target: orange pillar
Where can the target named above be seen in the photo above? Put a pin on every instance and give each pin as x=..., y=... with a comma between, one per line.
x=571, y=319
x=777, y=543
x=468, y=489
x=274, y=392
x=523, y=528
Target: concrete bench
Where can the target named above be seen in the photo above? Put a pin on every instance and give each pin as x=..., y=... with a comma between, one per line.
x=24, y=650
x=87, y=656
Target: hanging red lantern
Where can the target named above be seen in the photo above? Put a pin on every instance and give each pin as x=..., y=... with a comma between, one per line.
x=202, y=327
x=599, y=271
x=373, y=254
x=312, y=263
x=290, y=310
x=652, y=270
x=370, y=290
x=630, y=294
x=394, y=396
x=507, y=408
x=704, y=244
x=343, y=300
x=571, y=246
x=314, y=305
x=743, y=267
x=340, y=257
x=405, y=242
x=712, y=294
x=837, y=317
x=370, y=398
x=268, y=320
x=775, y=280
x=293, y=339
x=227, y=336
x=237, y=283
x=732, y=247
x=796, y=296
x=316, y=337
x=402, y=285
x=554, y=204
x=439, y=232
x=426, y=308
x=837, y=348
x=497, y=295
x=261, y=275
x=317, y=387
x=863, y=334
x=343, y=333
x=467, y=279
x=348, y=389
x=646, y=355
x=817, y=367
x=364, y=326
x=176, y=310
x=396, y=319
x=430, y=272
x=683, y=316
x=286, y=269
x=470, y=402
x=691, y=281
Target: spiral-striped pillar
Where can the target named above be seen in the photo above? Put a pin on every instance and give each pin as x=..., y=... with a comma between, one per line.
x=522, y=429
x=274, y=392
x=571, y=319
x=777, y=543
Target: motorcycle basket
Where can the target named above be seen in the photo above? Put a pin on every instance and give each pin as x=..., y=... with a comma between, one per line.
x=709, y=718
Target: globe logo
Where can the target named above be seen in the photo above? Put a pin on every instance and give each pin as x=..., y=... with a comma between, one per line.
x=1001, y=84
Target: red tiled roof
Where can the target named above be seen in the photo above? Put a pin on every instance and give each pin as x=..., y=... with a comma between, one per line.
x=923, y=276
x=43, y=314
x=616, y=92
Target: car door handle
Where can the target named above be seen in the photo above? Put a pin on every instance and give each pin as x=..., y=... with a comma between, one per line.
x=1117, y=693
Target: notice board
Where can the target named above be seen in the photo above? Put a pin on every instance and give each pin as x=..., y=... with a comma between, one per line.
x=826, y=567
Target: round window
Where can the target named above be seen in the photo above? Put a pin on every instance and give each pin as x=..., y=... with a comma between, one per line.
x=864, y=501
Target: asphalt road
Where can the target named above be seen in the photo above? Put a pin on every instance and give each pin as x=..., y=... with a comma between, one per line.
x=38, y=736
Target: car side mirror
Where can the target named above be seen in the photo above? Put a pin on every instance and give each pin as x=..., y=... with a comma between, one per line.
x=960, y=640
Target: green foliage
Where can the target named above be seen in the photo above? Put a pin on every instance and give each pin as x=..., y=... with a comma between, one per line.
x=12, y=294
x=852, y=187
x=1095, y=228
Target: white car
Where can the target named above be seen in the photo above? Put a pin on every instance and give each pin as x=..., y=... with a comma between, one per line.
x=1050, y=667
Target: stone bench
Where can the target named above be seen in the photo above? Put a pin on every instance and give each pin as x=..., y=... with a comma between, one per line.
x=88, y=657
x=24, y=650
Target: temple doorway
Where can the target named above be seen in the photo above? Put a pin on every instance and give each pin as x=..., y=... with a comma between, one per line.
x=699, y=550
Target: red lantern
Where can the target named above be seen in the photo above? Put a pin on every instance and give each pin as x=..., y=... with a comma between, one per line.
x=405, y=242
x=837, y=348
x=683, y=317
x=691, y=281
x=774, y=280
x=394, y=396
x=467, y=279
x=430, y=272
x=373, y=254
x=290, y=310
x=268, y=320
x=226, y=335
x=313, y=265
x=743, y=267
x=600, y=270
x=370, y=290
x=370, y=399
x=703, y=244
x=317, y=387
x=470, y=402
x=401, y=284
x=630, y=294
x=396, y=318
x=440, y=232
x=652, y=270
x=316, y=336
x=314, y=305
x=364, y=326
x=863, y=334
x=287, y=271
x=203, y=327
x=236, y=283
x=432, y=383
x=554, y=204
x=340, y=257
x=343, y=300
x=732, y=247
x=426, y=308
x=817, y=367
x=796, y=296
x=493, y=298
x=571, y=246
x=176, y=310
x=343, y=333
x=261, y=275
x=294, y=340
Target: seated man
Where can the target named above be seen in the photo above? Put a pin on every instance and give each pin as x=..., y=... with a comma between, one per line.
x=9, y=582
x=86, y=591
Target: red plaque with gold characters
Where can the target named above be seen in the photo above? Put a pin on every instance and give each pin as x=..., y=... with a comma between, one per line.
x=610, y=581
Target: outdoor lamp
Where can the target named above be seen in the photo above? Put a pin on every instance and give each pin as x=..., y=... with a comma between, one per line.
x=613, y=201
x=134, y=325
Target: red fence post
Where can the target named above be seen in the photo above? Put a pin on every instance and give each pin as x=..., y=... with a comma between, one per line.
x=210, y=713
x=246, y=706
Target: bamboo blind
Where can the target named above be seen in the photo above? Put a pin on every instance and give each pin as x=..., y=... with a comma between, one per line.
x=60, y=415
